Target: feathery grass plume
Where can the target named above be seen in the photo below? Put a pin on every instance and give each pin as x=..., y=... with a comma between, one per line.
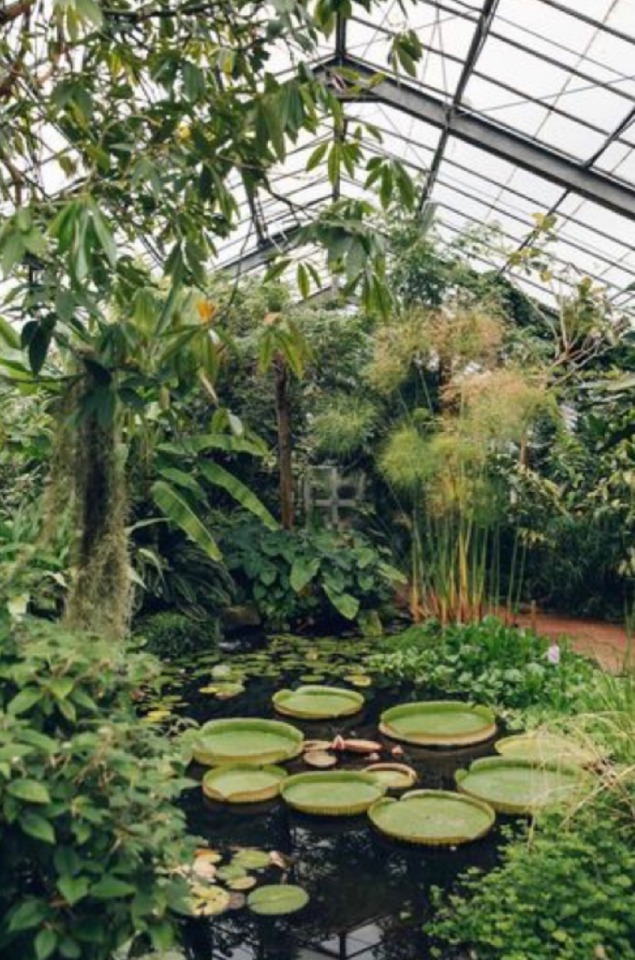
x=343, y=427
x=498, y=407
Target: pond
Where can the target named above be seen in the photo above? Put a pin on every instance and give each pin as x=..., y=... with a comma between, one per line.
x=368, y=896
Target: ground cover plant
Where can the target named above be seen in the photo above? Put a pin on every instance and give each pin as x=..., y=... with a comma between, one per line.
x=566, y=893
x=91, y=839
x=581, y=905
x=527, y=678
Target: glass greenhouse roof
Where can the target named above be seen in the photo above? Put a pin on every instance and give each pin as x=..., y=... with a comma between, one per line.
x=518, y=107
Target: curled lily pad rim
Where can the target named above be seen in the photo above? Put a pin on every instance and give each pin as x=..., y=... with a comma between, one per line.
x=291, y=741
x=408, y=778
x=485, y=731
x=574, y=774
x=572, y=752
x=418, y=796
x=373, y=791
x=213, y=778
x=352, y=702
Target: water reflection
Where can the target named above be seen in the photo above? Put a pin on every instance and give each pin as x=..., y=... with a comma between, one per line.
x=369, y=896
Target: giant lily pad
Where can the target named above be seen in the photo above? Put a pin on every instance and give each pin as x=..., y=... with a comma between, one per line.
x=393, y=776
x=447, y=723
x=318, y=703
x=277, y=899
x=541, y=747
x=332, y=793
x=518, y=786
x=246, y=740
x=432, y=817
x=243, y=783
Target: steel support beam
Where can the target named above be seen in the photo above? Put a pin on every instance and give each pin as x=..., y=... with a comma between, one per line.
x=478, y=39
x=527, y=154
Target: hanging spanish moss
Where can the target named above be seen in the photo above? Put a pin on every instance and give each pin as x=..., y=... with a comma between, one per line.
x=88, y=467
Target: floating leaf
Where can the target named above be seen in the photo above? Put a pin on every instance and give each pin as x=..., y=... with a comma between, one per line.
x=335, y=793
x=208, y=901
x=358, y=679
x=439, y=723
x=204, y=869
x=542, y=747
x=243, y=783
x=157, y=716
x=251, y=858
x=209, y=854
x=320, y=759
x=317, y=702
x=242, y=883
x=231, y=871
x=246, y=740
x=277, y=899
x=518, y=786
x=316, y=745
x=394, y=776
x=223, y=691
x=432, y=817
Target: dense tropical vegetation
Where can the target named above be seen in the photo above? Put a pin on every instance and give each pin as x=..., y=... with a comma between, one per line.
x=166, y=429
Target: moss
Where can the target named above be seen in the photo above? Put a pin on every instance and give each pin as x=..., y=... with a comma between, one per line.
x=87, y=472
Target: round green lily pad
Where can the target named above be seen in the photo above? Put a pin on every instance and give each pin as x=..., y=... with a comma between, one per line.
x=393, y=776
x=247, y=740
x=277, y=899
x=318, y=703
x=433, y=817
x=540, y=747
x=251, y=858
x=518, y=786
x=331, y=793
x=243, y=783
x=224, y=690
x=448, y=723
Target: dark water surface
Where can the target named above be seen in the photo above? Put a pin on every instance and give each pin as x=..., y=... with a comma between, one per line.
x=369, y=896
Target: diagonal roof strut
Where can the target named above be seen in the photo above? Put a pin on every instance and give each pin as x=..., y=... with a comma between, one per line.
x=501, y=141
x=479, y=37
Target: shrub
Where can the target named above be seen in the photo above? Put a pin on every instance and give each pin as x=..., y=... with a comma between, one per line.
x=89, y=833
x=566, y=893
x=171, y=634
x=499, y=665
x=305, y=575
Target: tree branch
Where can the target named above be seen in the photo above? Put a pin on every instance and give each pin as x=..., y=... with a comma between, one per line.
x=15, y=10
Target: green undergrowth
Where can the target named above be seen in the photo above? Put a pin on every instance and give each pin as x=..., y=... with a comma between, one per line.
x=566, y=892
x=502, y=666
x=91, y=838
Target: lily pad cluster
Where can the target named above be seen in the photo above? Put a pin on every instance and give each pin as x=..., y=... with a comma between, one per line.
x=218, y=884
x=308, y=660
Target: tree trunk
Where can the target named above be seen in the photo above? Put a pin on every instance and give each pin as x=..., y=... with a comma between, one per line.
x=285, y=444
x=99, y=599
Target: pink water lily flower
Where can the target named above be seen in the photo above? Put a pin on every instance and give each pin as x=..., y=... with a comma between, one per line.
x=553, y=653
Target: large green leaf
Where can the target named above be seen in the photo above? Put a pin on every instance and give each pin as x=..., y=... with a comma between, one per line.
x=180, y=513
x=344, y=603
x=303, y=571
x=236, y=488
x=215, y=441
x=30, y=790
